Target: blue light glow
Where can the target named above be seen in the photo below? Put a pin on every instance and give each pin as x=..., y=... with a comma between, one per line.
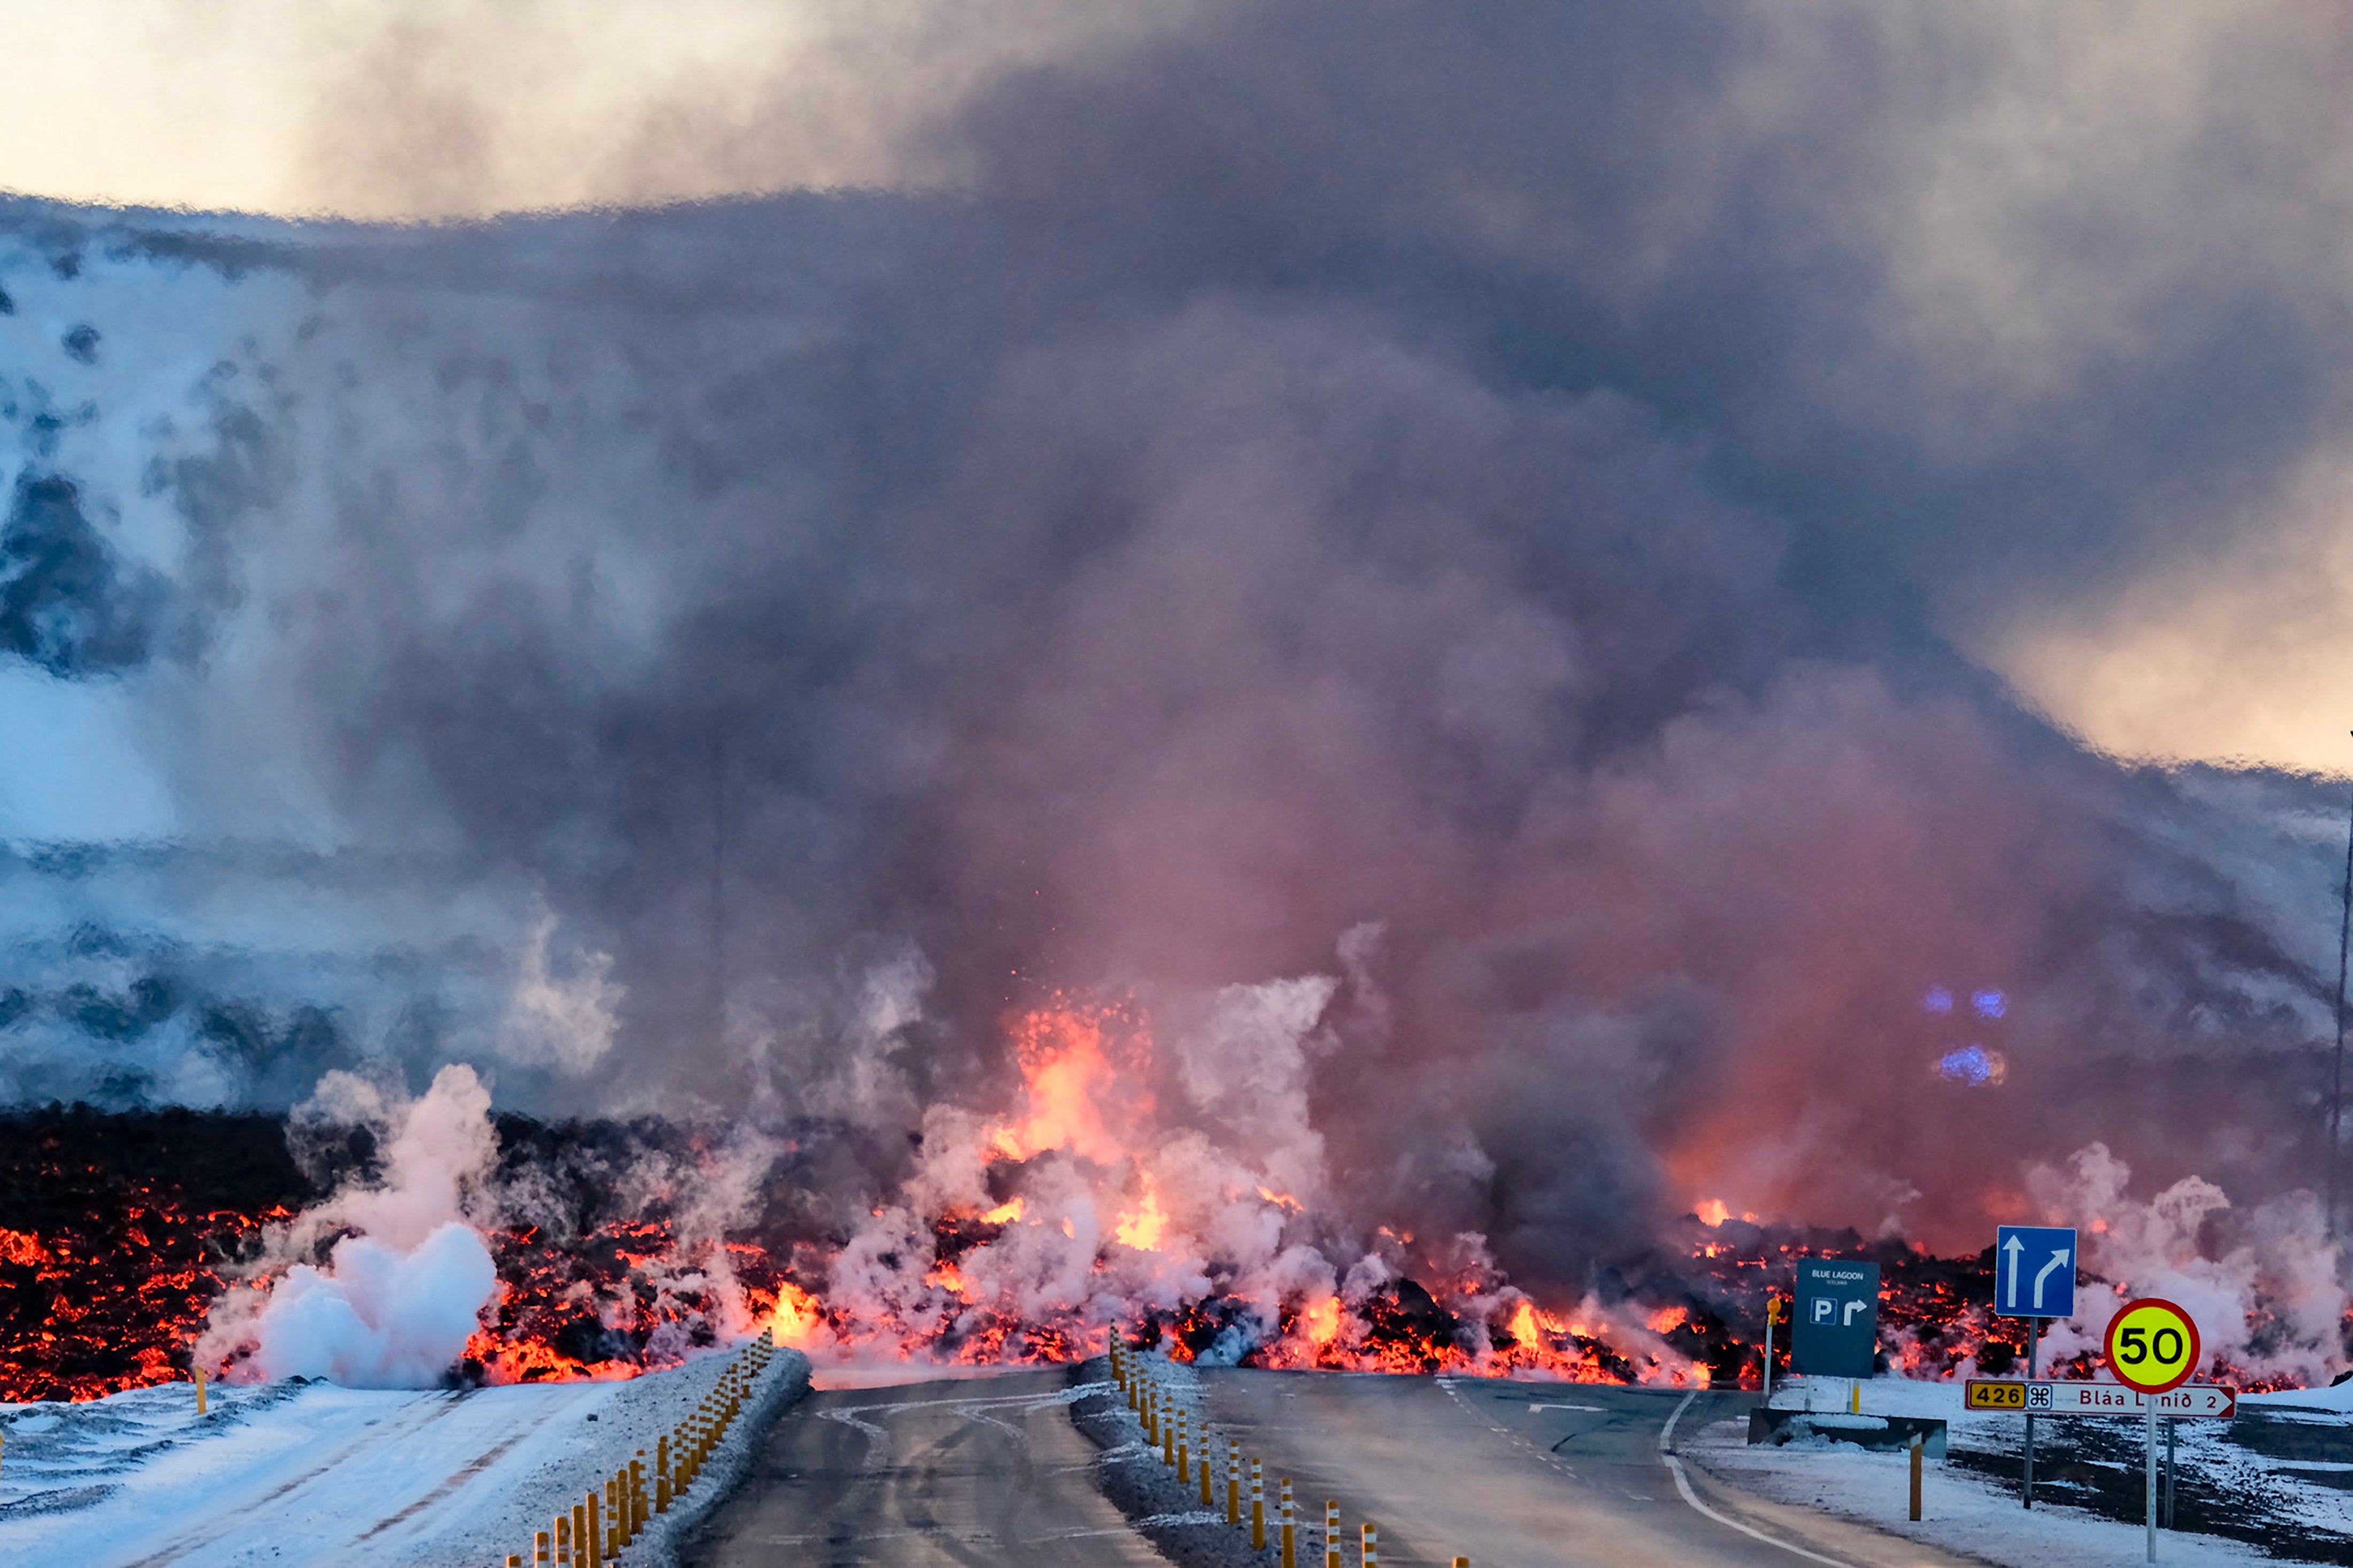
x=1972, y=1065
x=1938, y=1000
x=1989, y=1004
x=1967, y=1065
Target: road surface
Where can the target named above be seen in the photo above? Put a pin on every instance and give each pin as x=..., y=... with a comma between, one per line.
x=1511, y=1475
x=982, y=1472
x=1518, y=1475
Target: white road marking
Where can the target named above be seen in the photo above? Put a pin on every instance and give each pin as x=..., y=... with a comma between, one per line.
x=1549, y=1457
x=1597, y=1409
x=1682, y=1485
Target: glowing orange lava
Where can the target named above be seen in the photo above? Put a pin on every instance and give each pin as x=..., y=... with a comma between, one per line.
x=797, y=1317
x=1143, y=1228
x=1078, y=1063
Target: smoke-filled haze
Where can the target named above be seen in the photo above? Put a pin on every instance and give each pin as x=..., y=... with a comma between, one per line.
x=1607, y=608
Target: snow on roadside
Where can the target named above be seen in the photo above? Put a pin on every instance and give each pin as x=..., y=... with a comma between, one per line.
x=1967, y=1511
x=294, y=1472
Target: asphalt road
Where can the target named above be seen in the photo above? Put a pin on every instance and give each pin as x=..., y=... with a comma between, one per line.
x=1510, y=1474
x=1516, y=1475
x=984, y=1471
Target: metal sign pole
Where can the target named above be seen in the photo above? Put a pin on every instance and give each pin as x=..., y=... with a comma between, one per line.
x=2171, y=1429
x=1769, y=1347
x=2033, y=1352
x=2151, y=1403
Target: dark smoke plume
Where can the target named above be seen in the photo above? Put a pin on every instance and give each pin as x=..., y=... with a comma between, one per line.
x=1485, y=504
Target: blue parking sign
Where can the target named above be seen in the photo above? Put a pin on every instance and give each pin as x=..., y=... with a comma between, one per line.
x=1834, y=1333
x=2034, y=1271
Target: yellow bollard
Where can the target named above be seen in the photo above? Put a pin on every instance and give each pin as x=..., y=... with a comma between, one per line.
x=593, y=1511
x=1184, y=1457
x=198, y=1373
x=1208, y=1486
x=1372, y=1547
x=580, y=1537
x=1918, y=1444
x=1290, y=1551
x=637, y=1494
x=1332, y=1534
x=1233, y=1485
x=1257, y=1506
x=563, y=1539
x=661, y=1476
x=1167, y=1440
x=621, y=1520
x=539, y=1547
x=1855, y=1400
x=514, y=1560
x=1463, y=1562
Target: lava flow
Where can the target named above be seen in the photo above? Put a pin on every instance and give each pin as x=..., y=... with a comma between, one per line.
x=1094, y=1204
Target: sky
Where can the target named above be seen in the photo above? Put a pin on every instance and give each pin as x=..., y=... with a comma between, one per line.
x=2043, y=193
x=1636, y=546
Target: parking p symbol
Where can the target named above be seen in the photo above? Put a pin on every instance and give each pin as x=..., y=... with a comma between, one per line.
x=1825, y=1309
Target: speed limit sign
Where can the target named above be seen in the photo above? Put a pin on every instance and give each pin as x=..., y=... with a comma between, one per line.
x=2152, y=1345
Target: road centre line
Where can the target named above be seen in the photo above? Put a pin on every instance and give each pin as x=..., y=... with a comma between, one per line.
x=1683, y=1484
x=1547, y=1456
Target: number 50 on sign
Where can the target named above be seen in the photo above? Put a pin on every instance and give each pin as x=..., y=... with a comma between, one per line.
x=2152, y=1345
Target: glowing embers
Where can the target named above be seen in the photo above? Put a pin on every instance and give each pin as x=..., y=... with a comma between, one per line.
x=113, y=1302
x=1084, y=1066
x=624, y=1299
x=1143, y=1228
x=23, y=1250
x=799, y=1319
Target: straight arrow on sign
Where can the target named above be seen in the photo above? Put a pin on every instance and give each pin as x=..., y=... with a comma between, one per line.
x=2032, y=1272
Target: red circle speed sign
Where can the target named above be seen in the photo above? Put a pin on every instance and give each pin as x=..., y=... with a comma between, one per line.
x=2152, y=1345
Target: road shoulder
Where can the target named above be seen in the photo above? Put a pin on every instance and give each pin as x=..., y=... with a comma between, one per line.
x=1848, y=1504
x=1184, y=1530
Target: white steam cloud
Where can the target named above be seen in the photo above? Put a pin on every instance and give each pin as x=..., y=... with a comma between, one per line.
x=401, y=1294
x=2262, y=1283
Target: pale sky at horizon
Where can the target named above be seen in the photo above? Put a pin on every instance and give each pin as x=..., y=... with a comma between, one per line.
x=374, y=109
x=2237, y=649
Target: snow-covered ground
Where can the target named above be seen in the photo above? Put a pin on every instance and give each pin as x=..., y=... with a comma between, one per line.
x=311, y=1473
x=2271, y=1485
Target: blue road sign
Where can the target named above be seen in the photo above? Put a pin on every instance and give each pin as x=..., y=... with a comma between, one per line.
x=1834, y=1333
x=2034, y=1271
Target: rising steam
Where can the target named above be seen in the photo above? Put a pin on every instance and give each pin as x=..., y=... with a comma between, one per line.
x=1446, y=648
x=403, y=1288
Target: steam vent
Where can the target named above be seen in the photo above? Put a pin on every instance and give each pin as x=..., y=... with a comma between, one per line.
x=1240, y=783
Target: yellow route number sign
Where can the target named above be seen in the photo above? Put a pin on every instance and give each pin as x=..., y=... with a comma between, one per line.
x=2152, y=1345
x=1997, y=1394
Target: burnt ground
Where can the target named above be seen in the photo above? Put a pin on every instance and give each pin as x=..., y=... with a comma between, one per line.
x=2240, y=1479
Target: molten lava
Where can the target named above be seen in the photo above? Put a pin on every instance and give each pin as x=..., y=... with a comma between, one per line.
x=1033, y=1236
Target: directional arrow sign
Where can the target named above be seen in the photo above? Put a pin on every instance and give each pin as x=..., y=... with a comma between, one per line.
x=2034, y=1271
x=2097, y=1398
x=1836, y=1331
